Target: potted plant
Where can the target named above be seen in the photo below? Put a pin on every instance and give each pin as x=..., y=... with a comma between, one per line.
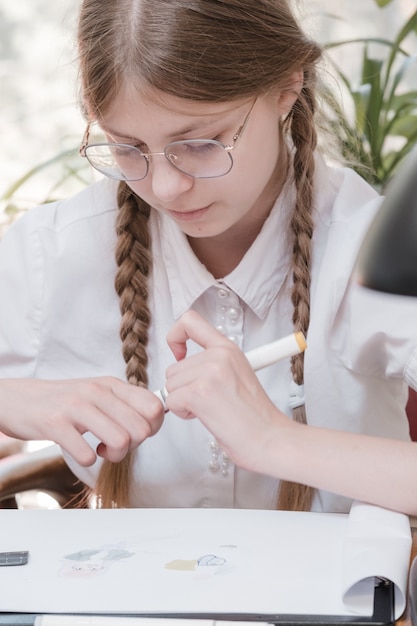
x=383, y=127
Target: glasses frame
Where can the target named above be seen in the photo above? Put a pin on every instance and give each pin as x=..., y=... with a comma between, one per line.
x=148, y=155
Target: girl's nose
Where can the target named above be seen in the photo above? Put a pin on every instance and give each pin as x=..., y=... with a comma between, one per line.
x=167, y=182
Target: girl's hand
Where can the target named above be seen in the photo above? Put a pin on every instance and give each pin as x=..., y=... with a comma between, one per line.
x=220, y=388
x=120, y=415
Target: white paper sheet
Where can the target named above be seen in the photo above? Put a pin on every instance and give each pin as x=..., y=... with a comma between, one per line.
x=204, y=561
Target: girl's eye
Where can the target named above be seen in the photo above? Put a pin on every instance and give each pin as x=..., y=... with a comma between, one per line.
x=199, y=147
x=140, y=146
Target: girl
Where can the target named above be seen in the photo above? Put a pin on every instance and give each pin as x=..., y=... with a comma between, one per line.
x=201, y=115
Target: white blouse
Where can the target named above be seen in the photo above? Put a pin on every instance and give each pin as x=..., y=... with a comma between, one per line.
x=59, y=318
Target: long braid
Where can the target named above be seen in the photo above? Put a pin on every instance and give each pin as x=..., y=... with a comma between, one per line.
x=294, y=496
x=134, y=262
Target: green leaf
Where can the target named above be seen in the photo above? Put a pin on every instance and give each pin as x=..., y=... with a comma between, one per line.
x=383, y=3
x=35, y=170
x=409, y=26
x=405, y=126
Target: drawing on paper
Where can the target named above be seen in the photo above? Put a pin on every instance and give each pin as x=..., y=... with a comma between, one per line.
x=207, y=560
x=95, y=561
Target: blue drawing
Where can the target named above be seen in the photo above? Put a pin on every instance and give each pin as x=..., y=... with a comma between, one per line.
x=91, y=562
x=210, y=559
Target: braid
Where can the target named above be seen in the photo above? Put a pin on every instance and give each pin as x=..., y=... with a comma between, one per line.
x=134, y=262
x=295, y=496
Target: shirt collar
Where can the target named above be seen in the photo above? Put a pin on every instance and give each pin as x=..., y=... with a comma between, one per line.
x=256, y=280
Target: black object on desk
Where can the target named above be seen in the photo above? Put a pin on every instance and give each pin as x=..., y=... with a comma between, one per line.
x=8, y=559
x=383, y=615
x=412, y=591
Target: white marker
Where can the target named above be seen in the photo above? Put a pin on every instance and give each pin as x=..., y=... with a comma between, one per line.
x=276, y=351
x=264, y=355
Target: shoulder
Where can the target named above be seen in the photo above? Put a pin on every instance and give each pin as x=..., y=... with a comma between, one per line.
x=342, y=196
x=76, y=232
x=345, y=208
x=95, y=203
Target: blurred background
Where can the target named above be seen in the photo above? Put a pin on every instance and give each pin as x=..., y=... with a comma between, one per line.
x=40, y=118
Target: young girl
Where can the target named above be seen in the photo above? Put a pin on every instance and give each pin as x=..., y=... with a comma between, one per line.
x=202, y=117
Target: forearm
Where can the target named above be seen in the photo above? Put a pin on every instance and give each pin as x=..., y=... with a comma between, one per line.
x=376, y=470
x=219, y=387
x=10, y=398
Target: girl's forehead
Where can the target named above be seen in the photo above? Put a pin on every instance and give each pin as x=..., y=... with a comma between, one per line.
x=134, y=113
x=153, y=103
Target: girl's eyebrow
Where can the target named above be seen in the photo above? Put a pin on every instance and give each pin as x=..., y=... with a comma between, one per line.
x=179, y=133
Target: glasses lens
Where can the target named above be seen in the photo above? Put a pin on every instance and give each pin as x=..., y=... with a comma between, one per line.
x=119, y=161
x=201, y=158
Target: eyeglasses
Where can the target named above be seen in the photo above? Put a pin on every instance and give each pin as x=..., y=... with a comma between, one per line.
x=199, y=158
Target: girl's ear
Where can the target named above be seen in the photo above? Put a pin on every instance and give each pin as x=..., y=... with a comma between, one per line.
x=84, y=109
x=289, y=94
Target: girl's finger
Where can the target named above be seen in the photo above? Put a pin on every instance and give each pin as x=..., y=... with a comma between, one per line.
x=192, y=326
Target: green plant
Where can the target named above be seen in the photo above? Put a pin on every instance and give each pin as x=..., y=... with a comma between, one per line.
x=64, y=173
x=383, y=127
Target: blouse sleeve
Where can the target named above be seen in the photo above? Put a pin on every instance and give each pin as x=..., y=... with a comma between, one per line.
x=376, y=334
x=21, y=270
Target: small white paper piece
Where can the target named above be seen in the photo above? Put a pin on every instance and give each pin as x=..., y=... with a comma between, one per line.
x=377, y=544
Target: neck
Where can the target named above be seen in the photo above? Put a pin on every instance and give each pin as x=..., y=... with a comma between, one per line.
x=222, y=253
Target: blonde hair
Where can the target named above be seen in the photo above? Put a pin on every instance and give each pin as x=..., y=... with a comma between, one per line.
x=212, y=51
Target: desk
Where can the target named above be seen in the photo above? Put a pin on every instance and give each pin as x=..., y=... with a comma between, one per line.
x=344, y=553
x=405, y=620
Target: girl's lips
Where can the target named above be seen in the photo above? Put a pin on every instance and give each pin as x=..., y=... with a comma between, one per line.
x=189, y=216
